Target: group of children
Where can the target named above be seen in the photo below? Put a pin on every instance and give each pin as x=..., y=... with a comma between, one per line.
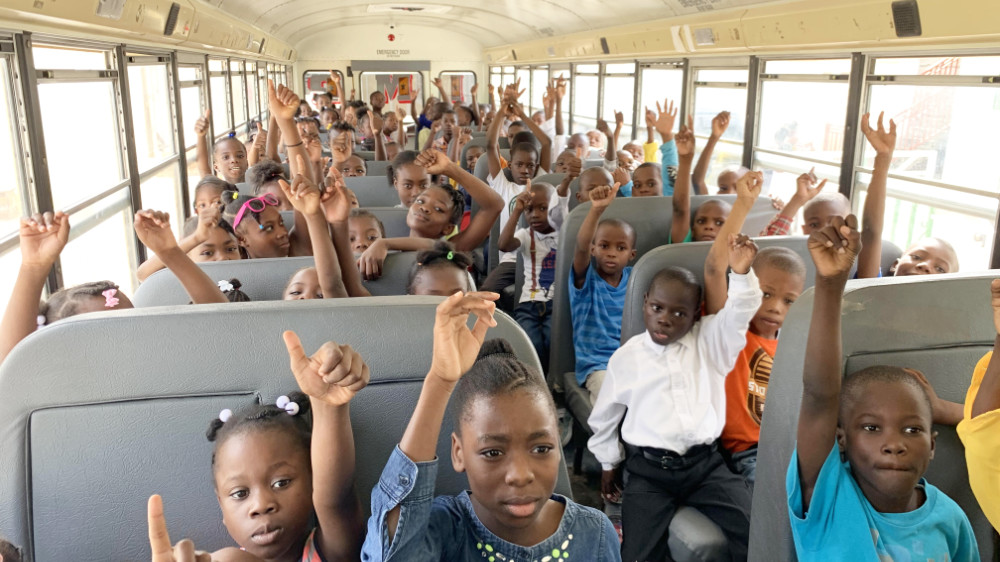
x=676, y=410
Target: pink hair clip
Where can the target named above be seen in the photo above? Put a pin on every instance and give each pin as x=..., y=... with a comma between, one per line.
x=110, y=301
x=287, y=405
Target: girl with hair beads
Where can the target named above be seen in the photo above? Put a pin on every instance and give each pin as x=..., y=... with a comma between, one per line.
x=272, y=472
x=229, y=155
x=440, y=271
x=506, y=439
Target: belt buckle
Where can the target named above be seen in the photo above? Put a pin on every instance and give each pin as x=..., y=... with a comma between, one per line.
x=668, y=462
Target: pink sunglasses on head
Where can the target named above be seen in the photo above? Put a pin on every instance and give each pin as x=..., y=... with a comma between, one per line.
x=255, y=205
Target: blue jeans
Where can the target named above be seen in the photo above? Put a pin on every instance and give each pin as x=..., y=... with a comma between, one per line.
x=535, y=319
x=746, y=464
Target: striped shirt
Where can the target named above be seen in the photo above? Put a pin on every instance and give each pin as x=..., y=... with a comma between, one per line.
x=597, y=320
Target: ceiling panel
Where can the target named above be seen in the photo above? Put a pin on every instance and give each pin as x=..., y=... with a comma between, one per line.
x=491, y=23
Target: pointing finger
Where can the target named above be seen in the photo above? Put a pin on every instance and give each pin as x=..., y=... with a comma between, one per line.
x=159, y=538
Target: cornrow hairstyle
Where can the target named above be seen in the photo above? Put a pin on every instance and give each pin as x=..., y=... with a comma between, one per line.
x=497, y=371
x=264, y=417
x=366, y=214
x=235, y=294
x=66, y=302
x=191, y=224
x=9, y=552
x=212, y=182
x=263, y=173
x=678, y=275
x=437, y=257
x=403, y=158
x=457, y=202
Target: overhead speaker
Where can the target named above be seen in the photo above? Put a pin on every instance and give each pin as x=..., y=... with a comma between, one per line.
x=906, y=18
x=175, y=10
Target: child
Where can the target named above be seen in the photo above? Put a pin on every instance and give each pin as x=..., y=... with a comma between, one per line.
x=538, y=244
x=854, y=483
x=727, y=179
x=272, y=473
x=263, y=178
x=663, y=123
x=440, y=271
x=807, y=188
x=229, y=155
x=647, y=180
x=665, y=388
x=598, y=283
x=325, y=279
x=363, y=228
x=207, y=237
x=930, y=255
x=353, y=167
x=635, y=149
x=407, y=177
x=506, y=439
x=980, y=425
x=710, y=215
x=208, y=192
x=590, y=179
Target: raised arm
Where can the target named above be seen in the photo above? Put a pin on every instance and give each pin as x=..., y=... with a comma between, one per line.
x=331, y=378
x=560, y=93
x=611, y=154
x=375, y=124
x=805, y=189
x=873, y=216
x=600, y=197
x=545, y=156
x=273, y=139
x=719, y=125
x=306, y=199
x=493, y=140
x=259, y=149
x=338, y=208
x=153, y=230
x=474, y=106
x=42, y=238
x=201, y=128
x=445, y=97
x=338, y=89
x=490, y=202
x=664, y=125
x=283, y=103
x=716, y=289
x=833, y=249
x=681, y=200
x=507, y=242
x=401, y=129
x=208, y=220
x=619, y=124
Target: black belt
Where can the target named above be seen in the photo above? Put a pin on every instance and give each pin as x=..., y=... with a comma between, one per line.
x=670, y=460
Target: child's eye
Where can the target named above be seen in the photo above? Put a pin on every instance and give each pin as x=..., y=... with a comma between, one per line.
x=207, y=253
x=542, y=449
x=239, y=494
x=283, y=483
x=491, y=453
x=232, y=249
x=869, y=427
x=700, y=221
x=656, y=307
x=767, y=295
x=680, y=314
x=914, y=430
x=940, y=269
x=295, y=293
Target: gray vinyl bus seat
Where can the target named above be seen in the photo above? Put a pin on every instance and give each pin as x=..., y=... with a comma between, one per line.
x=373, y=191
x=553, y=179
x=482, y=170
x=939, y=324
x=265, y=279
x=80, y=459
x=476, y=141
x=244, y=188
x=376, y=168
x=367, y=155
x=393, y=219
x=593, y=163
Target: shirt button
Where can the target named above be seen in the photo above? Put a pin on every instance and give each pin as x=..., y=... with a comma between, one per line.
x=404, y=480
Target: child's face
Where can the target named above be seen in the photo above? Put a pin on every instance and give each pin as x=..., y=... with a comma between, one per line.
x=612, y=248
x=353, y=198
x=448, y=123
x=220, y=246
x=538, y=117
x=509, y=449
x=353, y=167
x=591, y=178
x=326, y=119
x=391, y=151
x=303, y=285
x=927, y=257
x=362, y=231
x=440, y=281
x=522, y=166
x=781, y=289
x=267, y=239
x=537, y=212
x=304, y=109
x=390, y=123
x=579, y=141
x=595, y=139
x=727, y=182
x=888, y=438
x=410, y=180
x=708, y=220
x=472, y=156
x=647, y=183
x=207, y=197
x=263, y=481
x=636, y=151
x=819, y=214
x=464, y=118
x=231, y=160
x=562, y=162
x=624, y=160
x=430, y=214
x=669, y=309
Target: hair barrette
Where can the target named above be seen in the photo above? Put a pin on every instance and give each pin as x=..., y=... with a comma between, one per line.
x=225, y=414
x=450, y=256
x=41, y=320
x=225, y=286
x=287, y=405
x=110, y=301
x=231, y=134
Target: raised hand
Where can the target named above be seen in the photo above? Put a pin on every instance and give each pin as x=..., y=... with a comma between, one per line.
x=159, y=538
x=474, y=90
x=806, y=187
x=835, y=247
x=574, y=165
x=314, y=148
x=333, y=375
x=455, y=345
x=375, y=122
x=742, y=251
x=884, y=142
x=43, y=237
x=621, y=176
x=434, y=161
x=464, y=136
x=401, y=114
x=561, y=86
x=603, y=127
x=414, y=92
x=438, y=83
x=619, y=120
x=153, y=229
x=282, y=101
x=340, y=147
x=750, y=185
x=335, y=199
x=201, y=125
x=302, y=194
x=650, y=118
x=684, y=140
x=208, y=221
x=371, y=260
x=335, y=78
x=602, y=195
x=666, y=116
x=720, y=123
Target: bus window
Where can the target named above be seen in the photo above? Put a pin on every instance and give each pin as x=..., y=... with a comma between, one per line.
x=13, y=203
x=192, y=108
x=585, y=80
x=619, y=95
x=220, y=96
x=101, y=245
x=539, y=82
x=398, y=85
x=250, y=80
x=238, y=92
x=315, y=82
x=660, y=81
x=458, y=85
x=716, y=90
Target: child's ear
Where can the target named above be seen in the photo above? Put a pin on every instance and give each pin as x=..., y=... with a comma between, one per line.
x=892, y=268
x=241, y=240
x=631, y=256
x=934, y=435
x=457, y=459
x=842, y=441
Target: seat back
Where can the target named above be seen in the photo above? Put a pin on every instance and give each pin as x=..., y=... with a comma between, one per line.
x=885, y=321
x=367, y=155
x=83, y=457
x=376, y=168
x=593, y=163
x=552, y=179
x=482, y=170
x=651, y=218
x=373, y=191
x=264, y=279
x=393, y=219
x=476, y=141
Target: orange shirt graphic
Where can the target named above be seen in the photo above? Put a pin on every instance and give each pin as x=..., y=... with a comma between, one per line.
x=746, y=390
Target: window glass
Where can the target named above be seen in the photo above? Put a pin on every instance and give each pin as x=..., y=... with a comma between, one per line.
x=84, y=159
x=914, y=211
x=191, y=111
x=937, y=66
x=943, y=133
x=708, y=102
x=808, y=66
x=803, y=117
x=458, y=85
x=584, y=103
x=250, y=79
x=12, y=207
x=524, y=76
x=315, y=82
x=51, y=57
x=220, y=106
x=192, y=173
x=619, y=93
x=187, y=73
x=104, y=250
x=161, y=192
x=152, y=119
x=659, y=84
x=215, y=65
x=539, y=83
x=619, y=68
x=587, y=69
x=239, y=98
x=721, y=75
x=781, y=173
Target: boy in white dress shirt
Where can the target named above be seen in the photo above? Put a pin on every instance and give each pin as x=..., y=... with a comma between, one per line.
x=669, y=385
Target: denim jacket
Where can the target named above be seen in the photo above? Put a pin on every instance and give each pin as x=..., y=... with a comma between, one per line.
x=446, y=528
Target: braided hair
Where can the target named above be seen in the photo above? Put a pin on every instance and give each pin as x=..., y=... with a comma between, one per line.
x=442, y=255
x=264, y=417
